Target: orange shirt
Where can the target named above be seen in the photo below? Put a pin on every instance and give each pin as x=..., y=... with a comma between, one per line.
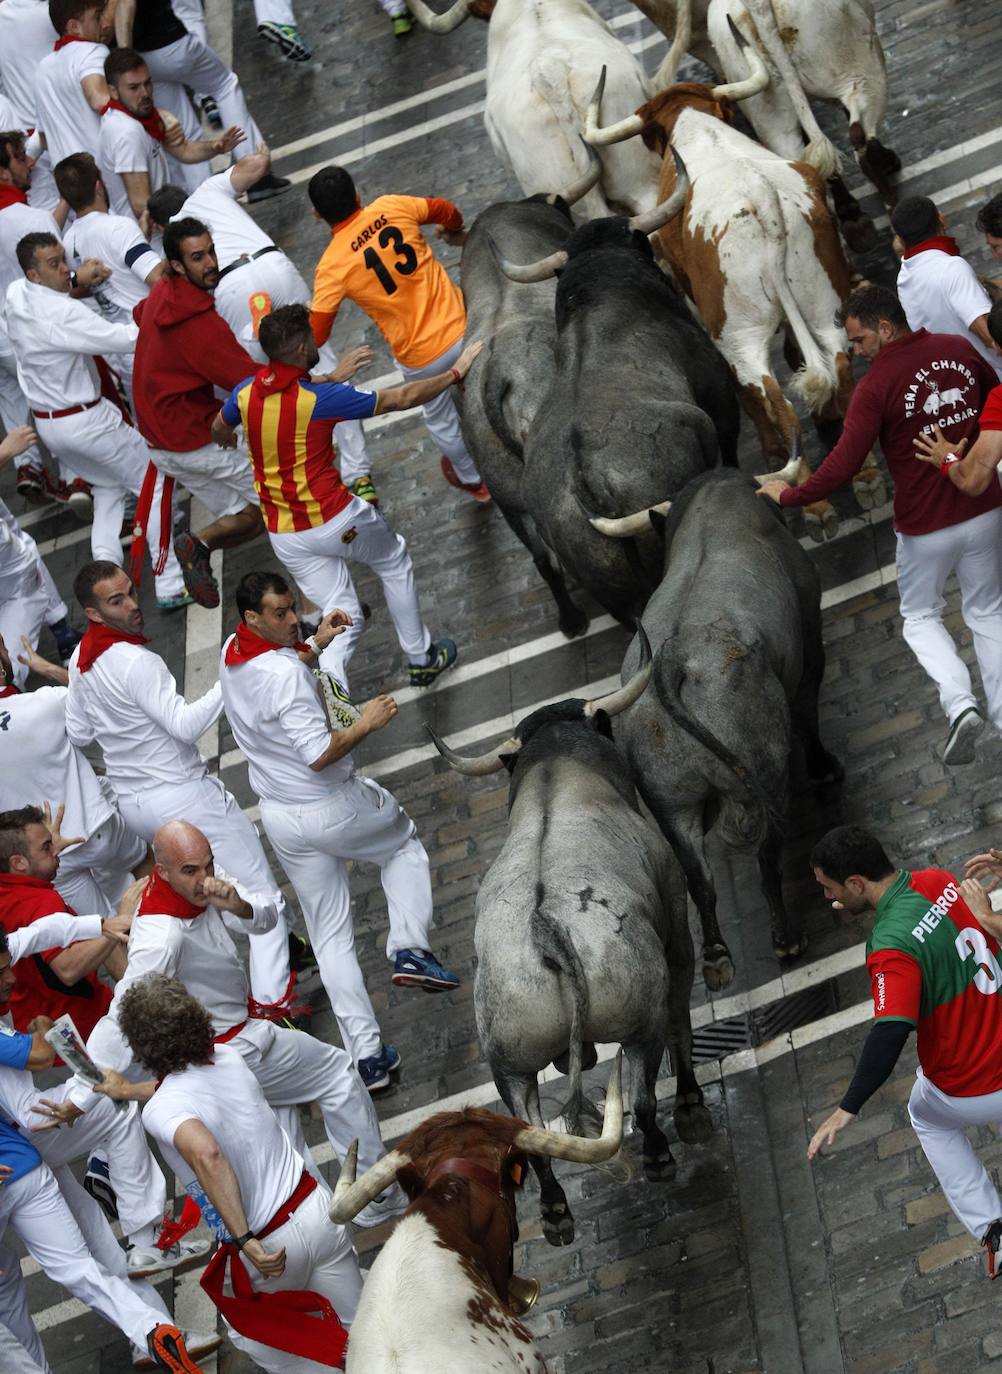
x=379, y=259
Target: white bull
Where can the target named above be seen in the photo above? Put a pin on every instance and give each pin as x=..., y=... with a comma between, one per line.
x=543, y=60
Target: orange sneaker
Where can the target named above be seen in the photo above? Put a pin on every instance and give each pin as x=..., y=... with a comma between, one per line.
x=168, y=1351
x=477, y=490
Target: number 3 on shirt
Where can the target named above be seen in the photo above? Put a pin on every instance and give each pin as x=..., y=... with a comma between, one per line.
x=404, y=263
x=988, y=978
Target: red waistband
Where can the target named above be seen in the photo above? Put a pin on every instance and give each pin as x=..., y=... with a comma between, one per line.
x=230, y=1034
x=70, y=410
x=300, y=1193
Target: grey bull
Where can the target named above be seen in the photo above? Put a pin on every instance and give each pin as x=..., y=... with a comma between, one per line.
x=738, y=663
x=581, y=933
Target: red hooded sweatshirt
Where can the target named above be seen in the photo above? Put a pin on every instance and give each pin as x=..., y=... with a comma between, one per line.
x=183, y=352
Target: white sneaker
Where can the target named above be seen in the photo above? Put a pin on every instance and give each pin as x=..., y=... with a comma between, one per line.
x=198, y=1343
x=144, y=1260
x=390, y=1203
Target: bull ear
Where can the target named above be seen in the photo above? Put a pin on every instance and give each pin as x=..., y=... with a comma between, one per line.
x=602, y=724
x=509, y=760
x=659, y=522
x=655, y=137
x=410, y=1180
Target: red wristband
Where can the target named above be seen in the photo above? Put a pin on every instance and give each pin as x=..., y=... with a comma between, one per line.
x=456, y=377
x=947, y=464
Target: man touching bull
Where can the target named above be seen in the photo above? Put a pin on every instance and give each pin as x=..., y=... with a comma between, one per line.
x=916, y=381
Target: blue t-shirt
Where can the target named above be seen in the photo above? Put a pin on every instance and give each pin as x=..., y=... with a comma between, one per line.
x=16, y=1151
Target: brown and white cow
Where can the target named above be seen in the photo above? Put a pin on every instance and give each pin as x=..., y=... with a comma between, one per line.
x=756, y=249
x=441, y=1295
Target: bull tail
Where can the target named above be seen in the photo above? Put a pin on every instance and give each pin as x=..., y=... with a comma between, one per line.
x=666, y=74
x=816, y=382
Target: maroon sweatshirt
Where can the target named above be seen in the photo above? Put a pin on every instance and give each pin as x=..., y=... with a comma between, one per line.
x=914, y=383
x=183, y=352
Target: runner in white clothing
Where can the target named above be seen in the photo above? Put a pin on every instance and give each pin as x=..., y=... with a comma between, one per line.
x=256, y=277
x=70, y=89
x=29, y=598
x=57, y=340
x=207, y=1113
x=183, y=930
x=26, y=36
x=318, y=813
x=124, y=697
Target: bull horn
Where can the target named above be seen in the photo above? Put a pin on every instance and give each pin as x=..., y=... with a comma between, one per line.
x=440, y=23
x=614, y=702
x=628, y=525
x=758, y=75
x=790, y=473
x=652, y=220
x=614, y=133
x=537, y=1140
x=482, y=764
x=350, y=1197
x=570, y=195
x=541, y=270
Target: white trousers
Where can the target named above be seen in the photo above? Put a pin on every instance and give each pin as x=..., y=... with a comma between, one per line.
x=292, y=1068
x=190, y=62
x=441, y=415
x=14, y=409
x=940, y=1122
x=973, y=550
x=276, y=12
x=206, y=803
x=360, y=820
x=318, y=560
x=274, y=275
x=35, y=1209
x=319, y=1257
x=394, y=7
x=21, y=1350
x=93, y=875
x=23, y=611
x=221, y=478
x=192, y=16
x=100, y=447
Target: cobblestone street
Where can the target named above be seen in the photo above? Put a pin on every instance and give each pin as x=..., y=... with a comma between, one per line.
x=752, y=1257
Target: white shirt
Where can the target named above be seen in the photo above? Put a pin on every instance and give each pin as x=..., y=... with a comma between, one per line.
x=63, y=114
x=227, y=1099
x=18, y=558
x=234, y=232
x=9, y=118
x=200, y=953
x=38, y=763
x=117, y=241
x=127, y=147
x=54, y=339
x=278, y=718
x=16, y=221
x=26, y=36
x=128, y=701
x=942, y=293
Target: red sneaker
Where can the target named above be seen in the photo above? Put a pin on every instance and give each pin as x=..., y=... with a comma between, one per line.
x=166, y=1346
x=475, y=489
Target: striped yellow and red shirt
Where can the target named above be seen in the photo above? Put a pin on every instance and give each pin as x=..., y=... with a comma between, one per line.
x=289, y=429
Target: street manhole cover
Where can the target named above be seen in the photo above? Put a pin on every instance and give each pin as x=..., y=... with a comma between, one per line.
x=735, y=1033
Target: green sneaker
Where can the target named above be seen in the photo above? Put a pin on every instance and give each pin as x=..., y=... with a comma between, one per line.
x=402, y=25
x=441, y=655
x=362, y=488
x=175, y=603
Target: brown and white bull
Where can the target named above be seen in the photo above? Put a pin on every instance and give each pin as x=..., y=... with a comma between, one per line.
x=440, y=1297
x=543, y=60
x=756, y=249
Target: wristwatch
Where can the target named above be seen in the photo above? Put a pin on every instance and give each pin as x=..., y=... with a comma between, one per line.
x=241, y=1241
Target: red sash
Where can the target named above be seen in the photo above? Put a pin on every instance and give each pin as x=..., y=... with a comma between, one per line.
x=144, y=509
x=294, y=1320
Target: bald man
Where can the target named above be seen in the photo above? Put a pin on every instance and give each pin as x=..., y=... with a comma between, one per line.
x=182, y=930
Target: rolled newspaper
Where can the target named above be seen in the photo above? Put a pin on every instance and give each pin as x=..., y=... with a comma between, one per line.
x=65, y=1040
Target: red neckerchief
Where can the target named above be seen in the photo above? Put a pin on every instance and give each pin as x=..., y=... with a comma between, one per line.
x=9, y=691
x=246, y=645
x=274, y=377
x=942, y=243
x=11, y=195
x=152, y=123
x=160, y=899
x=100, y=637
x=69, y=38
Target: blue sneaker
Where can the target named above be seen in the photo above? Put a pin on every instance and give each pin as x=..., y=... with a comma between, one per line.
x=418, y=968
x=441, y=655
x=376, y=1069
x=97, y=1182
x=66, y=639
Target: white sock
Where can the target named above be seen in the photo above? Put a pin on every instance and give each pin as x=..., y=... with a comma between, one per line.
x=146, y=1236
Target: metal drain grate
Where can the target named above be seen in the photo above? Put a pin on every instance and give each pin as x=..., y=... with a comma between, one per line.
x=735, y=1033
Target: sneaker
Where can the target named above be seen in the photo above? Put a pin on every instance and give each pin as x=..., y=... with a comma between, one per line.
x=991, y=1241
x=144, y=1260
x=196, y=569
x=77, y=496
x=402, y=25
x=362, y=488
x=392, y=1202
x=964, y=732
x=418, y=968
x=267, y=186
x=211, y=111
x=175, y=603
x=287, y=37
x=477, y=490
x=97, y=1182
x=376, y=1069
x=67, y=640
x=168, y=1351
x=441, y=655
x=33, y=485
x=301, y=956
x=198, y=1344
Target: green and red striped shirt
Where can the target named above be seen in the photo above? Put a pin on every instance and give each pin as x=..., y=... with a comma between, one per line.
x=932, y=963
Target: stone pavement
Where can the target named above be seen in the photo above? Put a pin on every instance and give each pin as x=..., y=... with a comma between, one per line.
x=750, y=1257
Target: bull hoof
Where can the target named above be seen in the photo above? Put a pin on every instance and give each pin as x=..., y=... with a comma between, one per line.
x=870, y=491
x=822, y=526
x=792, y=949
x=660, y=1168
x=860, y=234
x=718, y=968
x=573, y=626
x=558, y=1224
x=693, y=1123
